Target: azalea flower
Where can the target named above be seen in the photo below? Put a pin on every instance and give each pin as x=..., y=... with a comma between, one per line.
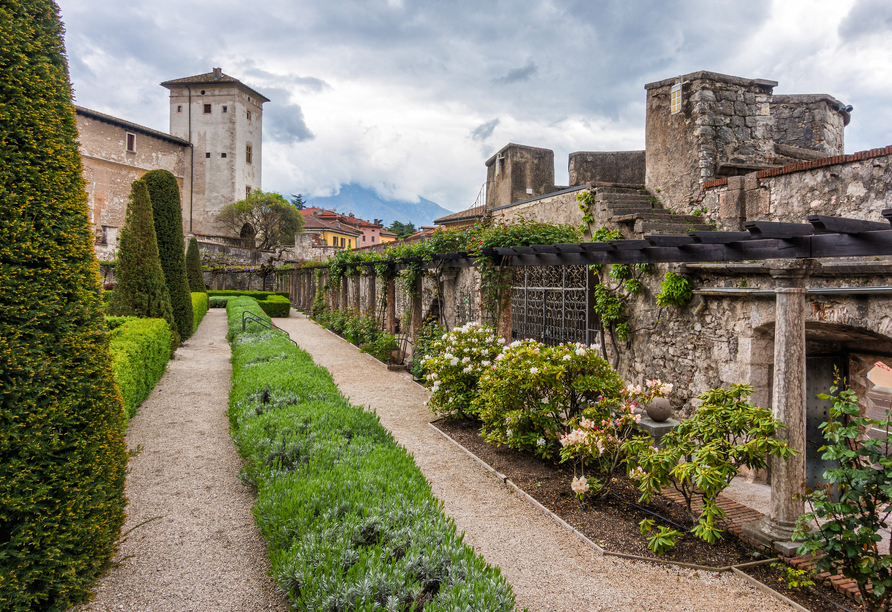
x=540, y=442
x=579, y=485
x=534, y=370
x=566, y=357
x=580, y=352
x=454, y=361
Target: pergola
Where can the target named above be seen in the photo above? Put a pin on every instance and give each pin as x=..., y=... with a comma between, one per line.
x=794, y=247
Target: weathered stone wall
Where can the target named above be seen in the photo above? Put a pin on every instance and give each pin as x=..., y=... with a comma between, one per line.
x=810, y=121
x=626, y=167
x=560, y=207
x=518, y=172
x=109, y=170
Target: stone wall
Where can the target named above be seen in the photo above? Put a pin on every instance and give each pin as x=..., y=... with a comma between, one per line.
x=559, y=207
x=518, y=172
x=809, y=121
x=626, y=167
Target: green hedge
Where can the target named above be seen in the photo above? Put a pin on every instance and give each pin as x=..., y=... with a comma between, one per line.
x=140, y=349
x=199, y=308
x=257, y=295
x=350, y=520
x=219, y=301
x=276, y=306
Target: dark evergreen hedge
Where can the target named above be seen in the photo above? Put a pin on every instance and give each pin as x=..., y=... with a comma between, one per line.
x=62, y=454
x=140, y=289
x=168, y=215
x=193, y=268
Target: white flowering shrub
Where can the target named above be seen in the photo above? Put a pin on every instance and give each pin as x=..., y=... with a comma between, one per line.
x=532, y=391
x=457, y=361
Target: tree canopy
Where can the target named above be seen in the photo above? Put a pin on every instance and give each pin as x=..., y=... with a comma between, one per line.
x=298, y=201
x=402, y=229
x=265, y=219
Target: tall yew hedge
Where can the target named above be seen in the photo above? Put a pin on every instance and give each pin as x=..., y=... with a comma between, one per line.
x=140, y=289
x=62, y=453
x=193, y=268
x=168, y=215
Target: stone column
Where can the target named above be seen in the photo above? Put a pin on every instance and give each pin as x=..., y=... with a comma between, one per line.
x=787, y=405
x=344, y=292
x=390, y=307
x=357, y=285
x=450, y=298
x=334, y=293
x=417, y=310
x=371, y=299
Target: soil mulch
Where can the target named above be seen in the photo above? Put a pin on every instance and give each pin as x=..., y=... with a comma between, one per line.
x=613, y=522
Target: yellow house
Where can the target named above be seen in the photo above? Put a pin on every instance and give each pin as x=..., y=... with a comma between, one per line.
x=333, y=233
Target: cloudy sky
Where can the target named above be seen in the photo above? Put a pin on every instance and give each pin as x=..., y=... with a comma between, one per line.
x=410, y=97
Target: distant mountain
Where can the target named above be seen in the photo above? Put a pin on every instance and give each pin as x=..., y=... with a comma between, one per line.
x=365, y=204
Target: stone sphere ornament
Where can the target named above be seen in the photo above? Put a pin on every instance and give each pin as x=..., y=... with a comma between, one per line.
x=659, y=409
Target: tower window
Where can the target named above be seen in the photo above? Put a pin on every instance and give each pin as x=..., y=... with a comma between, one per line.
x=131, y=142
x=248, y=155
x=675, y=99
x=247, y=190
x=223, y=155
x=179, y=108
x=207, y=109
x=225, y=110
x=208, y=155
x=249, y=115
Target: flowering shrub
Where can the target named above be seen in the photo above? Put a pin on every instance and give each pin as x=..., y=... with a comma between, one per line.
x=701, y=455
x=532, y=390
x=457, y=360
x=598, y=438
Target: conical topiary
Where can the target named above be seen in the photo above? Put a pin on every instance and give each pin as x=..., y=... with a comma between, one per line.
x=168, y=215
x=140, y=289
x=62, y=454
x=193, y=268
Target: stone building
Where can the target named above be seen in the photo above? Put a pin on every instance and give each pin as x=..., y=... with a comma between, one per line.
x=213, y=147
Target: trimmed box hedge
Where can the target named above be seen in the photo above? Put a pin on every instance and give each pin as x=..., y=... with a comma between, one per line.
x=276, y=306
x=199, y=308
x=257, y=295
x=350, y=520
x=140, y=349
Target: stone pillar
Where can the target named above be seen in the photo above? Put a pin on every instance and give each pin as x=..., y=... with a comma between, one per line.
x=390, y=307
x=787, y=405
x=417, y=310
x=344, y=292
x=450, y=298
x=357, y=285
x=334, y=294
x=371, y=299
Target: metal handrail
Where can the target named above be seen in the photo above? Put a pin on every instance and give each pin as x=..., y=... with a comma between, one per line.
x=246, y=316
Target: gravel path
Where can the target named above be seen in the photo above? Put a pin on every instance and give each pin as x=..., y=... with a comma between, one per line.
x=549, y=569
x=204, y=552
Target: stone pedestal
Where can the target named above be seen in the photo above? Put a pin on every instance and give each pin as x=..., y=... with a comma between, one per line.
x=788, y=403
x=656, y=429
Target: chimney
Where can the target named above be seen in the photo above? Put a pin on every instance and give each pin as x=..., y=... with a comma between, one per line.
x=218, y=74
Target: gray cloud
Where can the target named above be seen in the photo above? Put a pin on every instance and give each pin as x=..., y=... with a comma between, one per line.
x=517, y=75
x=866, y=17
x=282, y=121
x=484, y=130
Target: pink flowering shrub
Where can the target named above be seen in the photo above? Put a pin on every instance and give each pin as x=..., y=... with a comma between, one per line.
x=598, y=440
x=531, y=391
x=454, y=367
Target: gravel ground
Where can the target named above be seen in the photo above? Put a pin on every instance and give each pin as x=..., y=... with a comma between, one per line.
x=549, y=569
x=203, y=552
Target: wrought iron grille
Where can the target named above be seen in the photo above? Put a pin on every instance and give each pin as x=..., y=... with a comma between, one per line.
x=466, y=307
x=553, y=304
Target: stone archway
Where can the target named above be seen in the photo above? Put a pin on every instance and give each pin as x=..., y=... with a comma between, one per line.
x=248, y=236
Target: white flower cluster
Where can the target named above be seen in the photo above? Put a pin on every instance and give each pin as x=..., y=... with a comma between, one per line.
x=579, y=485
x=659, y=387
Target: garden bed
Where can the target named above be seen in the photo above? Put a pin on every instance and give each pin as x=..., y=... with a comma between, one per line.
x=613, y=523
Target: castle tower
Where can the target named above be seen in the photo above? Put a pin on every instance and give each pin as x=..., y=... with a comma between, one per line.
x=517, y=173
x=222, y=118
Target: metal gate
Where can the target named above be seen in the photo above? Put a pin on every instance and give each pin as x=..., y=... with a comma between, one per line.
x=553, y=304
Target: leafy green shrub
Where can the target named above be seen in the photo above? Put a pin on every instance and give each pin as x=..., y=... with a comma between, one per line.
x=140, y=350
x=164, y=192
x=141, y=290
x=219, y=301
x=194, y=274
x=275, y=306
x=257, y=295
x=424, y=348
x=457, y=362
x=702, y=454
x=62, y=454
x=106, y=297
x=199, y=308
x=350, y=520
x=115, y=322
x=848, y=532
x=675, y=290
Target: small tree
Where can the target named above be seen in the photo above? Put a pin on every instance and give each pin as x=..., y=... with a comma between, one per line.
x=140, y=290
x=402, y=229
x=848, y=532
x=62, y=454
x=298, y=201
x=268, y=216
x=704, y=453
x=193, y=268
x=164, y=194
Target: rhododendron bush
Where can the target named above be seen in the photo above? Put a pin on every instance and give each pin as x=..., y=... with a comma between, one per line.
x=456, y=363
x=532, y=391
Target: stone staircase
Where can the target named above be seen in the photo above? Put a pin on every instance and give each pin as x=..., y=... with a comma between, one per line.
x=645, y=214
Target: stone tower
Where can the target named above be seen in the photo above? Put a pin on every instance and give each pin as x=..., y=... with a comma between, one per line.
x=222, y=118
x=517, y=173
